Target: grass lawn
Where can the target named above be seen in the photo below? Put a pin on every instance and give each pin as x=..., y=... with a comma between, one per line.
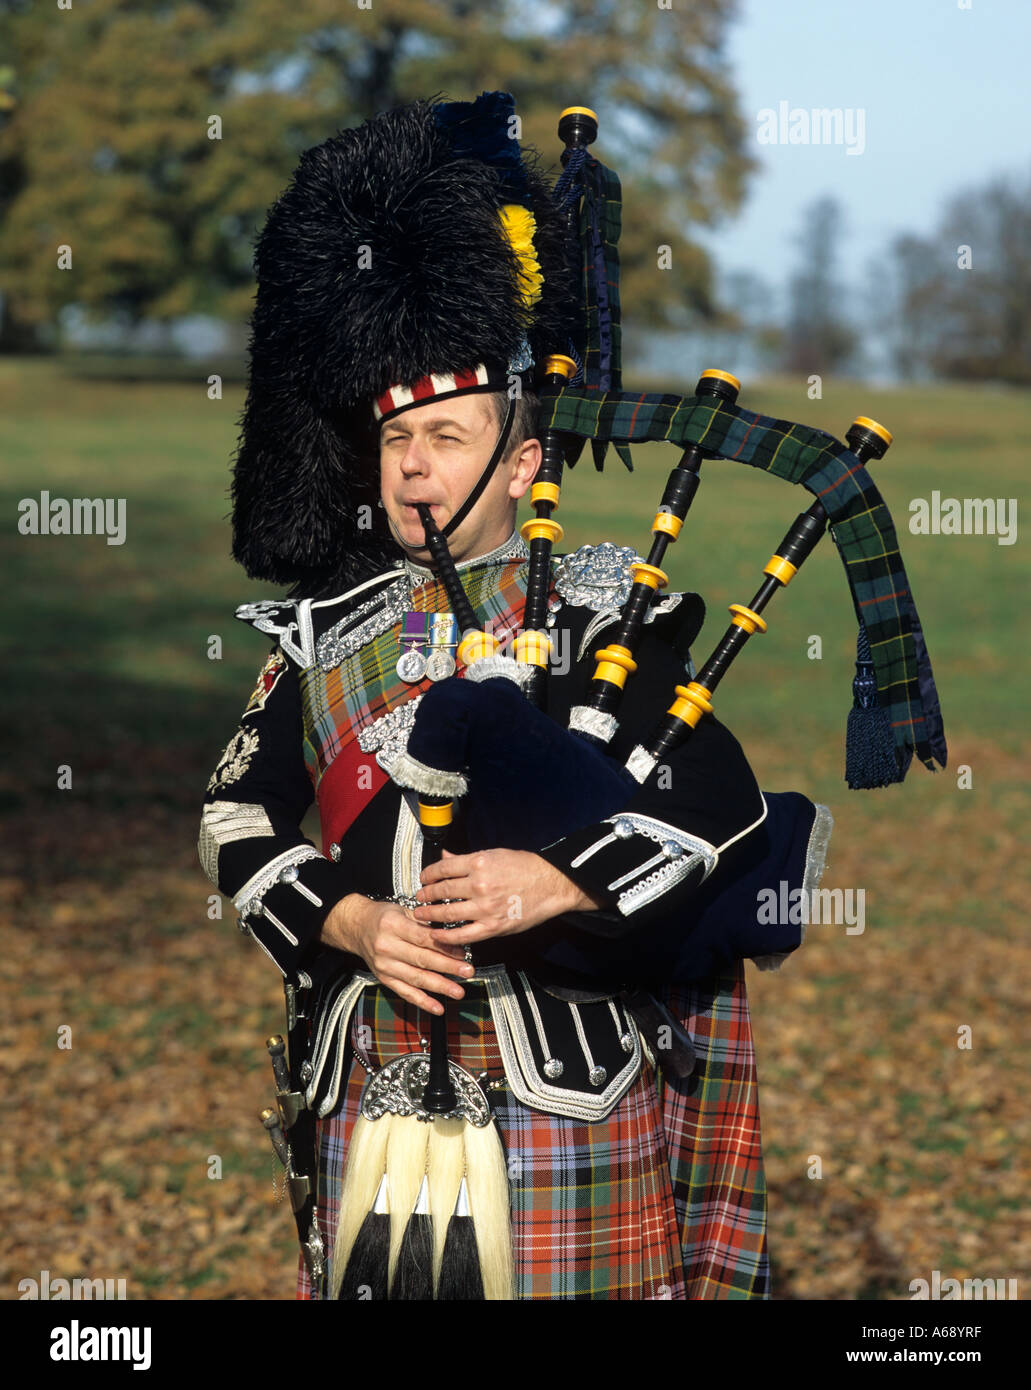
x=922, y=1143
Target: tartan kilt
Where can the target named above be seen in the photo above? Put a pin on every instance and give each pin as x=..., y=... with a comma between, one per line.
x=663, y=1199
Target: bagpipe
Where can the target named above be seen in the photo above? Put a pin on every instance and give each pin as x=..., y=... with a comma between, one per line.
x=424, y=1206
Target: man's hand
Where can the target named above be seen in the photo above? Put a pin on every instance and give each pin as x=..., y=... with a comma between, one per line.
x=404, y=956
x=503, y=891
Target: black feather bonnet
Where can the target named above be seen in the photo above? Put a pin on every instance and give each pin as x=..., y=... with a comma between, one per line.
x=385, y=260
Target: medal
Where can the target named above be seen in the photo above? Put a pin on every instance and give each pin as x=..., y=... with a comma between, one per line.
x=440, y=664
x=443, y=637
x=427, y=643
x=411, y=664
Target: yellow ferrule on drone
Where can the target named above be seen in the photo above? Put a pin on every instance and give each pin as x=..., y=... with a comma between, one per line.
x=532, y=647
x=614, y=665
x=722, y=376
x=864, y=422
x=435, y=815
x=558, y=364
x=650, y=575
x=780, y=569
x=542, y=526
x=476, y=645
x=545, y=492
x=668, y=523
x=744, y=617
x=692, y=702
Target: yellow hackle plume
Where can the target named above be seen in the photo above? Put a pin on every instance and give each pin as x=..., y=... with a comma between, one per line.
x=519, y=225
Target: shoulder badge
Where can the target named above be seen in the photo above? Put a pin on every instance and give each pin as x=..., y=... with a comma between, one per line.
x=267, y=678
x=278, y=618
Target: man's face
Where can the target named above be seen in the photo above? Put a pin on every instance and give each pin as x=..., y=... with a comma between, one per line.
x=435, y=453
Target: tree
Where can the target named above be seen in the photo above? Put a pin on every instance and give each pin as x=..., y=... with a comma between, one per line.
x=957, y=303
x=151, y=140
x=984, y=313
x=906, y=287
x=818, y=337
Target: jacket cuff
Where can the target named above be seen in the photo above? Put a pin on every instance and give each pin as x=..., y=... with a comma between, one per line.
x=284, y=905
x=630, y=860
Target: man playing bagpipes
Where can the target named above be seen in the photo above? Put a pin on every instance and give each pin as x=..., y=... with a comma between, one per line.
x=520, y=1060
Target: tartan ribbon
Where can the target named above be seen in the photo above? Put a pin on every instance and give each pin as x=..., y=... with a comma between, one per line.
x=859, y=521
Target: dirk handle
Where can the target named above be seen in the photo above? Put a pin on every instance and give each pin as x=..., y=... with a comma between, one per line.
x=270, y=1119
x=280, y=1070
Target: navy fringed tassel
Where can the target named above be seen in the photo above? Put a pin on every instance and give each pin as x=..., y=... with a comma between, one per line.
x=870, y=759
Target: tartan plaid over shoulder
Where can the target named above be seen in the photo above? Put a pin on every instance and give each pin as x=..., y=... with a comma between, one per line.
x=859, y=521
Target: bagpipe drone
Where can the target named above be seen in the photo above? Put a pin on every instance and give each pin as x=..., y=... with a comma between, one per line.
x=447, y=201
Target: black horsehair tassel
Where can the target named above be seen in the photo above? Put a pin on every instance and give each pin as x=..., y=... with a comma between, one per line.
x=869, y=743
x=413, y=1277
x=366, y=1274
x=460, y=1278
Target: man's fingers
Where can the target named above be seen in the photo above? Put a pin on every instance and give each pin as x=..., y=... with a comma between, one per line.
x=436, y=913
x=412, y=995
x=418, y=934
x=455, y=866
x=422, y=952
x=442, y=888
x=412, y=961
x=433, y=983
x=475, y=931
x=446, y=965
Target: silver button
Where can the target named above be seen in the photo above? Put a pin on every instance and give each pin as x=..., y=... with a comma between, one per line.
x=622, y=828
x=553, y=1068
x=334, y=853
x=671, y=849
x=253, y=908
x=626, y=1042
x=597, y=1075
x=288, y=874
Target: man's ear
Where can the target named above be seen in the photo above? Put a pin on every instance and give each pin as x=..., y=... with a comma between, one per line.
x=525, y=468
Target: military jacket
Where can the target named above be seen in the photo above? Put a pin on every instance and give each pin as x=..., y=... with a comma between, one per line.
x=329, y=713
x=329, y=710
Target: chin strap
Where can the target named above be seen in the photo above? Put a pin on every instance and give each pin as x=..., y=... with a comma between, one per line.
x=485, y=476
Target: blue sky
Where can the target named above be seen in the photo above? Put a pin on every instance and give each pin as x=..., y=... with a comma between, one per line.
x=945, y=95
